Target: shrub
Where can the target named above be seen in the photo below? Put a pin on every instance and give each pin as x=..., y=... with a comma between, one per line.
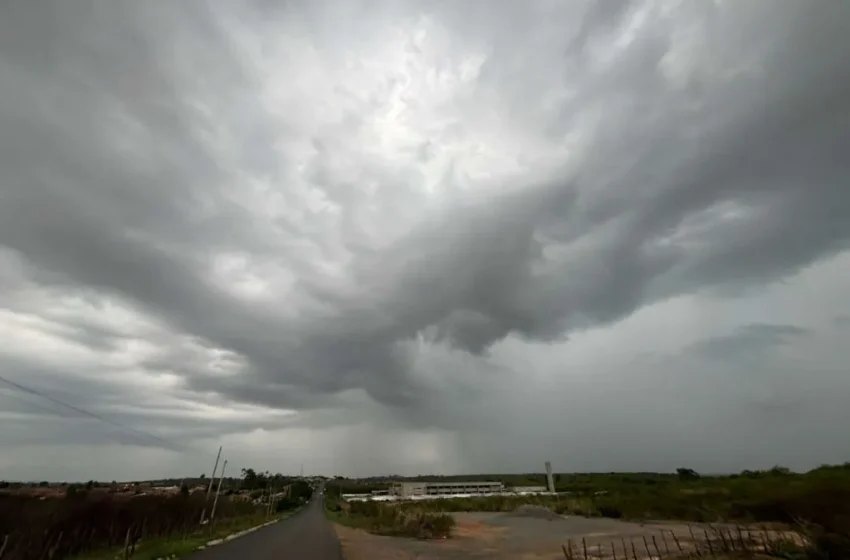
x=84, y=522
x=384, y=519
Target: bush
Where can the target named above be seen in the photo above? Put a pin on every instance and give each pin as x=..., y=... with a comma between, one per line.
x=85, y=522
x=610, y=511
x=391, y=520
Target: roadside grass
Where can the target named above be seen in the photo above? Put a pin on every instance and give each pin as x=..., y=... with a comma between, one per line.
x=182, y=546
x=383, y=519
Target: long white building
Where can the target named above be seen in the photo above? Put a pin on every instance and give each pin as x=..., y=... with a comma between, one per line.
x=416, y=489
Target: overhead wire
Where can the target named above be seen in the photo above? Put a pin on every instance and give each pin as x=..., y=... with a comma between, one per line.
x=79, y=410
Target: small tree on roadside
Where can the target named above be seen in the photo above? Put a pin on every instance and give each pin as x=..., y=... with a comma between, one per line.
x=687, y=474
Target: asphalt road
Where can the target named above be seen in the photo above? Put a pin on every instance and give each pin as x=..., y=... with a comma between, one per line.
x=307, y=535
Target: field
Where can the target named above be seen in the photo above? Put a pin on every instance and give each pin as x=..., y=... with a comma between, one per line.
x=94, y=525
x=811, y=509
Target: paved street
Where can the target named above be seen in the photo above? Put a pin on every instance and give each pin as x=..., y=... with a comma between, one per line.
x=307, y=535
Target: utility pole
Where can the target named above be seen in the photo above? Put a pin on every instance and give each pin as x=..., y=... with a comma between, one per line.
x=218, y=491
x=269, y=505
x=209, y=488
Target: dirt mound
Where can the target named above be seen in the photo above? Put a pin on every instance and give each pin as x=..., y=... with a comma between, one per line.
x=534, y=512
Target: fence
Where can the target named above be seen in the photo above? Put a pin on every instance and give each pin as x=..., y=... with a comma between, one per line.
x=702, y=542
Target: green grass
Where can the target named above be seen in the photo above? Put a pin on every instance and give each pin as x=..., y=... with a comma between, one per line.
x=390, y=520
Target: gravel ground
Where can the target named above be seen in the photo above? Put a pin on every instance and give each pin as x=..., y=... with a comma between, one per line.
x=533, y=534
x=522, y=535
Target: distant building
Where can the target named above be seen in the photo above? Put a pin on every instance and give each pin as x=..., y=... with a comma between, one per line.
x=416, y=489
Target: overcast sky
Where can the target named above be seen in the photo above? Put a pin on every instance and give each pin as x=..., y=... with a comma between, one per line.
x=429, y=236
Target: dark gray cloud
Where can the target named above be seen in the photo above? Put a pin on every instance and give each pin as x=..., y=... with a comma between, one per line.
x=288, y=205
x=753, y=339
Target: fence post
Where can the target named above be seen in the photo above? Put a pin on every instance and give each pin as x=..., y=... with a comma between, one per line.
x=696, y=542
x=646, y=546
x=127, y=544
x=744, y=545
x=584, y=547
x=634, y=551
x=613, y=551
x=3, y=546
x=676, y=540
x=658, y=550
x=51, y=552
x=727, y=547
x=708, y=542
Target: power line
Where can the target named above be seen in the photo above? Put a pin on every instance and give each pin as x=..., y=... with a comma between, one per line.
x=84, y=412
x=51, y=411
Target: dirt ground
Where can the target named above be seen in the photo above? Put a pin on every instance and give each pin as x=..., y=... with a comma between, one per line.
x=503, y=536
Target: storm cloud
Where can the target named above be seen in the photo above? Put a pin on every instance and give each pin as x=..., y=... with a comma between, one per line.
x=243, y=218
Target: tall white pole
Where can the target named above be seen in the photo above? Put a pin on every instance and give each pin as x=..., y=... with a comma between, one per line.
x=215, y=468
x=209, y=488
x=218, y=490
x=269, y=506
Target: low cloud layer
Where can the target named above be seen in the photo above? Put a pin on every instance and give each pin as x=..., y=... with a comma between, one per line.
x=252, y=222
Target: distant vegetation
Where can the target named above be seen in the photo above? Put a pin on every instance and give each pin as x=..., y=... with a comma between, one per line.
x=89, y=518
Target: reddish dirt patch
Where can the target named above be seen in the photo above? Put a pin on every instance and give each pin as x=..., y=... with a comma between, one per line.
x=360, y=545
x=472, y=529
x=506, y=537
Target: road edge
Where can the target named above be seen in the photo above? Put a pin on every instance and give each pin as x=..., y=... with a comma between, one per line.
x=244, y=532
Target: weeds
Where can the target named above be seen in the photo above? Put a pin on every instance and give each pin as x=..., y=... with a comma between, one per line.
x=383, y=519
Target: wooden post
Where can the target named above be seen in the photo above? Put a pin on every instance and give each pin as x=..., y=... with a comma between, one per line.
x=613, y=551
x=52, y=550
x=666, y=546
x=676, y=540
x=767, y=542
x=708, y=542
x=634, y=551
x=646, y=546
x=584, y=546
x=127, y=544
x=696, y=542
x=567, y=555
x=726, y=546
x=744, y=546
x=3, y=546
x=657, y=550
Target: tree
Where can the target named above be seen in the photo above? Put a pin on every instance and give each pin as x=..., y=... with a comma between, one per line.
x=249, y=479
x=687, y=474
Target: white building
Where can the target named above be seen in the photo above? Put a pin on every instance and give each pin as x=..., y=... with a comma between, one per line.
x=417, y=489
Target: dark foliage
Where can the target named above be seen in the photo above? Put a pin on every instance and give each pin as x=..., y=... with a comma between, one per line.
x=383, y=519
x=83, y=522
